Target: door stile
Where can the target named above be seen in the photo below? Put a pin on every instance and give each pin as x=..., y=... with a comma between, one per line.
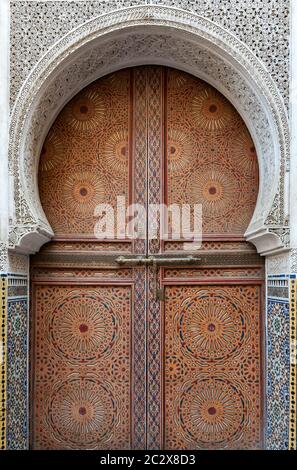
x=155, y=196
x=139, y=188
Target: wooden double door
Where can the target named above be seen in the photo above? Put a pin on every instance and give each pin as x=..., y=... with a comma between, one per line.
x=145, y=342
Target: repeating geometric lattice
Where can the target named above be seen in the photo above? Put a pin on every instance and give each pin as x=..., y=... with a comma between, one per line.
x=85, y=158
x=154, y=135
x=211, y=158
x=212, y=367
x=82, y=367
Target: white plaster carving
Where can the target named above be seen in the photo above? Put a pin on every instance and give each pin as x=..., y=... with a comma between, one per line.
x=18, y=264
x=278, y=264
x=263, y=25
x=136, y=36
x=293, y=110
x=3, y=257
x=293, y=261
x=4, y=126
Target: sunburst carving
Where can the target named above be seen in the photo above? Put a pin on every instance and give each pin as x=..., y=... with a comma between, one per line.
x=244, y=149
x=179, y=150
x=52, y=152
x=210, y=327
x=216, y=189
x=82, y=412
x=212, y=412
x=211, y=110
x=92, y=165
x=82, y=367
x=82, y=191
x=83, y=328
x=116, y=152
x=85, y=111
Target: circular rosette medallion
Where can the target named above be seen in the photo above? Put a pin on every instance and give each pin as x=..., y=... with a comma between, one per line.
x=179, y=150
x=116, y=153
x=211, y=110
x=217, y=189
x=212, y=412
x=82, y=191
x=82, y=412
x=85, y=111
x=83, y=327
x=211, y=326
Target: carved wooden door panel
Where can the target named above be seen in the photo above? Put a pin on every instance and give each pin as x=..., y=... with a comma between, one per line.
x=159, y=353
x=204, y=342
x=82, y=367
x=88, y=380
x=212, y=369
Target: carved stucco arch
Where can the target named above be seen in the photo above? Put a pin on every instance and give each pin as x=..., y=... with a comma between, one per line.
x=136, y=36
